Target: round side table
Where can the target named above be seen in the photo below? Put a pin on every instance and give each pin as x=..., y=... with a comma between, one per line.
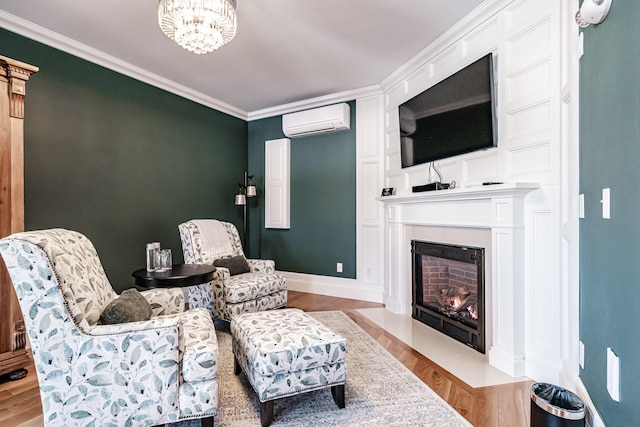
x=188, y=276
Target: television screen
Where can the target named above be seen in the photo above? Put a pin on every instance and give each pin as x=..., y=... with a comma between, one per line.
x=453, y=117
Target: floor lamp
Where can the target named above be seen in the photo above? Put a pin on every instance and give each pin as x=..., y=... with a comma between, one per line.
x=248, y=189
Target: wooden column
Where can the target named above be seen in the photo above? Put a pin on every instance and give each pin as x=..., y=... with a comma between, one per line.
x=13, y=335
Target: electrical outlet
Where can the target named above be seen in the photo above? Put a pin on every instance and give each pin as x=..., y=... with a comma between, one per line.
x=613, y=375
x=339, y=267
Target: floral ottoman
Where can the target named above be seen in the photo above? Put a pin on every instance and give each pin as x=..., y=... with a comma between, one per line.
x=287, y=352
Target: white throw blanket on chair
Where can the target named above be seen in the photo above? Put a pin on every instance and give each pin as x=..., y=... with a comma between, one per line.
x=215, y=239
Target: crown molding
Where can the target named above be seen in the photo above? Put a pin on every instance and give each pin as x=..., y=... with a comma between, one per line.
x=480, y=14
x=67, y=45
x=319, y=101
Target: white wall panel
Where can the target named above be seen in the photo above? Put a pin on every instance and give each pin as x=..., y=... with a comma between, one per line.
x=394, y=296
x=391, y=123
x=529, y=82
x=417, y=82
x=393, y=161
x=370, y=134
x=395, y=95
x=370, y=188
x=521, y=13
x=448, y=169
x=445, y=64
x=481, y=40
x=416, y=176
x=528, y=121
x=530, y=45
x=395, y=181
x=370, y=147
x=530, y=159
x=388, y=139
x=544, y=290
x=371, y=250
x=277, y=183
x=480, y=168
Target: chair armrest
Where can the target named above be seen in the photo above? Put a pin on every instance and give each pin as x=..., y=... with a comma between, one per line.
x=262, y=265
x=164, y=301
x=198, y=345
x=221, y=273
x=151, y=326
x=131, y=368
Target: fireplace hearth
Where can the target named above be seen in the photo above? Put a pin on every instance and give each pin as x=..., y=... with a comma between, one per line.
x=448, y=290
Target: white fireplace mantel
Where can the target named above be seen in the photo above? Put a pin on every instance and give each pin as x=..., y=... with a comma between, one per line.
x=498, y=208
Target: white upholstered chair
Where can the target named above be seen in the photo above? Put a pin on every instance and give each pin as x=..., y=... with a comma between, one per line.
x=255, y=286
x=141, y=373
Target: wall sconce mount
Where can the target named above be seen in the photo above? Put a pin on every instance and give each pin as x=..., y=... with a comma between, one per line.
x=592, y=12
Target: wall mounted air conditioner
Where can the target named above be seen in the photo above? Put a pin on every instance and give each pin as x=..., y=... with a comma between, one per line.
x=317, y=120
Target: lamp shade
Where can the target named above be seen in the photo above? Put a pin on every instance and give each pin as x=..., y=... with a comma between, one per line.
x=240, y=200
x=251, y=190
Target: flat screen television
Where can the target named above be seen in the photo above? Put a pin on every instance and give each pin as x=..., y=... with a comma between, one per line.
x=455, y=116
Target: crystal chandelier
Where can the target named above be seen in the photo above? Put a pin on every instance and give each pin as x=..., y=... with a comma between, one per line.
x=199, y=26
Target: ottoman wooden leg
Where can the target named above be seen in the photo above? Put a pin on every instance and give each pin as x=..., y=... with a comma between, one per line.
x=236, y=366
x=207, y=422
x=337, y=392
x=266, y=413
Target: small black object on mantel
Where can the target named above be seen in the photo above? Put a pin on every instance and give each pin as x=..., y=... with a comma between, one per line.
x=388, y=191
x=492, y=183
x=432, y=186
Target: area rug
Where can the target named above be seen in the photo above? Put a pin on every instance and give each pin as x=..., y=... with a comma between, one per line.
x=380, y=391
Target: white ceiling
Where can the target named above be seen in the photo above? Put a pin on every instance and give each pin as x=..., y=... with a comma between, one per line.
x=285, y=51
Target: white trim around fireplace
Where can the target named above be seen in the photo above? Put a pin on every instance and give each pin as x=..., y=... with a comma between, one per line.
x=498, y=208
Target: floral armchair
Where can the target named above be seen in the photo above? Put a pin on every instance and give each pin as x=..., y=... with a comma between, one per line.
x=256, y=288
x=90, y=374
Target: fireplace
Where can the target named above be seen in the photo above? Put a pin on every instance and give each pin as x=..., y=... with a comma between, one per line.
x=448, y=290
x=490, y=217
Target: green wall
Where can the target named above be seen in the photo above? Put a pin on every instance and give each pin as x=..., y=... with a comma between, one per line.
x=119, y=160
x=323, y=201
x=610, y=158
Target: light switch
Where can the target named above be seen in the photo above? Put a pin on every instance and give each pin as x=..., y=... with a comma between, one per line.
x=581, y=206
x=606, y=203
x=613, y=375
x=580, y=45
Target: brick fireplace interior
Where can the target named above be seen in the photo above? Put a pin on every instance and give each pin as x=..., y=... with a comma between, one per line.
x=448, y=290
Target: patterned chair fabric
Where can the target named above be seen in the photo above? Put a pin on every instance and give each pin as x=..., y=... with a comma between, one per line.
x=140, y=373
x=258, y=290
x=287, y=352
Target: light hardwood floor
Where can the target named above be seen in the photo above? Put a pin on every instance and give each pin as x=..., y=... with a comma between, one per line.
x=496, y=406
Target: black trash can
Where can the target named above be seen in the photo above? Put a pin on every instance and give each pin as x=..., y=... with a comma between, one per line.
x=553, y=406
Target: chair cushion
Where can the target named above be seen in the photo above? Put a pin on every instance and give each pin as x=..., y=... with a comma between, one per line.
x=130, y=306
x=251, y=286
x=235, y=264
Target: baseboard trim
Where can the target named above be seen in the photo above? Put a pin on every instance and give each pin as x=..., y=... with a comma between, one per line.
x=507, y=362
x=334, y=287
x=592, y=417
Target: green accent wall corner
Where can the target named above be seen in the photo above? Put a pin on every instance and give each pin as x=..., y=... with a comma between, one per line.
x=119, y=160
x=609, y=158
x=323, y=201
